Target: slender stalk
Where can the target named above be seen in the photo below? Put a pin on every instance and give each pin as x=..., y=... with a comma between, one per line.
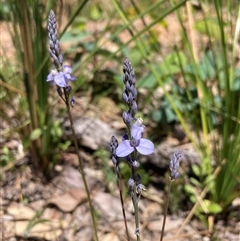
x=165, y=209
x=131, y=144
x=122, y=203
x=81, y=170
x=135, y=204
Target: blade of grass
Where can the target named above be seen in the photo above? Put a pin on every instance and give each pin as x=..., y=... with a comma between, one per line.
x=138, y=35
x=142, y=48
x=203, y=98
x=28, y=59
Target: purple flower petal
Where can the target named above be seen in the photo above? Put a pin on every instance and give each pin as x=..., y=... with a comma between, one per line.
x=137, y=130
x=67, y=69
x=73, y=78
x=60, y=79
x=67, y=76
x=145, y=147
x=50, y=77
x=124, y=149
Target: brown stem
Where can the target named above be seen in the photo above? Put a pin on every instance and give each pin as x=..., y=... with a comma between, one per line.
x=165, y=210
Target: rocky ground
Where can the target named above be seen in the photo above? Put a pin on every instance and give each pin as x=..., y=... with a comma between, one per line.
x=33, y=209
x=58, y=210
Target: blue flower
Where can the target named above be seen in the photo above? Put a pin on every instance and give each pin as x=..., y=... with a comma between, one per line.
x=61, y=78
x=143, y=146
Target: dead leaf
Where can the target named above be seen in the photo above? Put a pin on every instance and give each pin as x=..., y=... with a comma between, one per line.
x=70, y=200
x=19, y=211
x=151, y=210
x=109, y=205
x=110, y=237
x=72, y=177
x=49, y=230
x=171, y=224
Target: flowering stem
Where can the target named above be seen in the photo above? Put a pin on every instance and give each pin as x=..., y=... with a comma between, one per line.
x=81, y=170
x=135, y=204
x=134, y=196
x=166, y=209
x=122, y=203
x=132, y=142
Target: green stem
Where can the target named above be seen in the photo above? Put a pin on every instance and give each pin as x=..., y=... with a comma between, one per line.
x=81, y=170
x=165, y=210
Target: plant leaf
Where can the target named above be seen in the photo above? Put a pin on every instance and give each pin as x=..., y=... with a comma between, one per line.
x=36, y=133
x=210, y=27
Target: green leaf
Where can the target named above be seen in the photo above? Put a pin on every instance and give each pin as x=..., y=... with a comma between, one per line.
x=210, y=27
x=149, y=81
x=193, y=199
x=79, y=24
x=189, y=189
x=172, y=62
x=195, y=182
x=180, y=58
x=210, y=207
x=157, y=115
x=236, y=81
x=170, y=115
x=206, y=68
x=210, y=179
x=70, y=36
x=214, y=208
x=135, y=56
x=36, y=133
x=169, y=69
x=56, y=132
x=95, y=13
x=64, y=146
x=196, y=169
